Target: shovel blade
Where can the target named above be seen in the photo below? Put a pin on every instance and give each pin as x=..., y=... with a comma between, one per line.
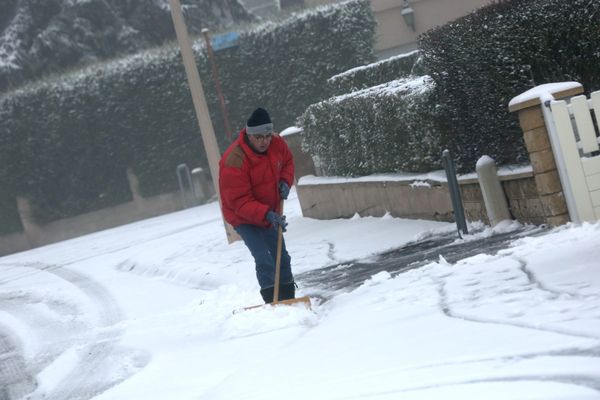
x=299, y=300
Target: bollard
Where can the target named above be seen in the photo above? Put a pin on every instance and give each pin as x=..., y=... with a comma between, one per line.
x=454, y=189
x=202, y=187
x=184, y=179
x=491, y=189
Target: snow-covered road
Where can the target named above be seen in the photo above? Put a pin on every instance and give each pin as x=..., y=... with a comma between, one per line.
x=144, y=311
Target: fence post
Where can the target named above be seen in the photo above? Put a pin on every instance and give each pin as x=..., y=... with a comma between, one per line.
x=457, y=205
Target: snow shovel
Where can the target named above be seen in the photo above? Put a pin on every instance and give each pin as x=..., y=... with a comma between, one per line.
x=305, y=300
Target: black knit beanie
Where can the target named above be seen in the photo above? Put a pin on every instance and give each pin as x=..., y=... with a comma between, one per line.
x=259, y=123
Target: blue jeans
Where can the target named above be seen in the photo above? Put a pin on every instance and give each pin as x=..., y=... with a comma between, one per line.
x=262, y=243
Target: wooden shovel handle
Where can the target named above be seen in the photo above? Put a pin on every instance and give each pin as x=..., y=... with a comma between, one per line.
x=278, y=259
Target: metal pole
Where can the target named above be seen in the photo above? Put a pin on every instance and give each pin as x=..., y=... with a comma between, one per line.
x=206, y=128
x=457, y=205
x=180, y=169
x=215, y=73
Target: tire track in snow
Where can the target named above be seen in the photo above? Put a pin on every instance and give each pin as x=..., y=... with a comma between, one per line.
x=103, y=252
x=34, y=269
x=25, y=349
x=589, y=381
x=96, y=362
x=15, y=379
x=100, y=346
x=446, y=308
x=533, y=280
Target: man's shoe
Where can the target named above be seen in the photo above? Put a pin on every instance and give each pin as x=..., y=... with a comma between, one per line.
x=267, y=294
x=287, y=291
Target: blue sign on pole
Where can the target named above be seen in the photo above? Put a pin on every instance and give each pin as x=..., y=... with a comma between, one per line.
x=225, y=40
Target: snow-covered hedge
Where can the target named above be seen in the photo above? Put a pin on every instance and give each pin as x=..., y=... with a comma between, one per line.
x=65, y=143
x=480, y=62
x=373, y=74
x=38, y=37
x=384, y=128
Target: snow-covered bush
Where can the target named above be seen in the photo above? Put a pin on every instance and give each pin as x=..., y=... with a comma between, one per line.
x=65, y=143
x=38, y=37
x=383, y=71
x=284, y=67
x=483, y=60
x=385, y=128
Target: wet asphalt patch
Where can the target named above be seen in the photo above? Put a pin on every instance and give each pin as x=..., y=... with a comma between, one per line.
x=325, y=282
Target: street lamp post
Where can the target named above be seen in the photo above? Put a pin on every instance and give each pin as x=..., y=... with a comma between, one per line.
x=206, y=128
x=217, y=81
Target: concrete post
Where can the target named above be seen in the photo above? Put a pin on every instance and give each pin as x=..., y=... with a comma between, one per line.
x=134, y=187
x=532, y=123
x=31, y=229
x=202, y=186
x=491, y=188
x=186, y=187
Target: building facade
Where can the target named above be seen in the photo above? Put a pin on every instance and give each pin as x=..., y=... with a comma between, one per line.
x=399, y=22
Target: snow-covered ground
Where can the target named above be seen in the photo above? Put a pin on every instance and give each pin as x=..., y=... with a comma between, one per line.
x=144, y=311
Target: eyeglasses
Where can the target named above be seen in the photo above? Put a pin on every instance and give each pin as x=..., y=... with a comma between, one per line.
x=261, y=138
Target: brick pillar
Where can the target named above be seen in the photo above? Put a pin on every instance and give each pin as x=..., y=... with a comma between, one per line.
x=537, y=141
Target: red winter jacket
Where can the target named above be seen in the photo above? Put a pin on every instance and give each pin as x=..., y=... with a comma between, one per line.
x=248, y=181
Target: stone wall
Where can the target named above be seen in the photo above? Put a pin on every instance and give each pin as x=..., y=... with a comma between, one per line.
x=535, y=197
x=13, y=243
x=35, y=235
x=375, y=198
x=430, y=199
x=473, y=202
x=524, y=201
x=139, y=208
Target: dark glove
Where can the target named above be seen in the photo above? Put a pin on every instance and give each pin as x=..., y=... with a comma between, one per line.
x=276, y=220
x=284, y=190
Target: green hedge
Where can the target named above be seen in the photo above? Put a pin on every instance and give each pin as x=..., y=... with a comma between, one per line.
x=284, y=67
x=65, y=143
x=480, y=62
x=373, y=74
x=385, y=128
x=49, y=36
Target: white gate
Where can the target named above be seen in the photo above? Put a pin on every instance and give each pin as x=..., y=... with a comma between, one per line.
x=574, y=140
